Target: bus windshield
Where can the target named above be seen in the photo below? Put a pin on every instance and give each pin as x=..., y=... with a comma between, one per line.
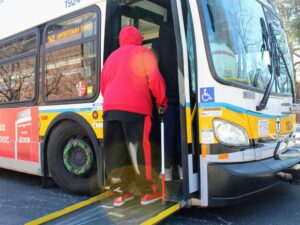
x=239, y=51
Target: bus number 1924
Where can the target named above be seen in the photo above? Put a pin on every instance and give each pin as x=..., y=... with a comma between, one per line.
x=70, y=3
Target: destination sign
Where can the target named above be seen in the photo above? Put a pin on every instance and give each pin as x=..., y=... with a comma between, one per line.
x=67, y=35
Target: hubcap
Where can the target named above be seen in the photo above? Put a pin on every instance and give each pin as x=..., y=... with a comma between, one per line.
x=78, y=157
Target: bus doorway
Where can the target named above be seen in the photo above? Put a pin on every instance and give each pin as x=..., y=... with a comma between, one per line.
x=152, y=18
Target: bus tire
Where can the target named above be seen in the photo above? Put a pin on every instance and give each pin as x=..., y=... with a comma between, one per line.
x=71, y=159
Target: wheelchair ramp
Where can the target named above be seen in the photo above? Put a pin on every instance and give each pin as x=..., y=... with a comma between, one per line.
x=100, y=210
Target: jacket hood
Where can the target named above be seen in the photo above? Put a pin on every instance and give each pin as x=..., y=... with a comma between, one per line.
x=130, y=35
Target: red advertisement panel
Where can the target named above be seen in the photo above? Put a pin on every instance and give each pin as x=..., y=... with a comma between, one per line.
x=19, y=137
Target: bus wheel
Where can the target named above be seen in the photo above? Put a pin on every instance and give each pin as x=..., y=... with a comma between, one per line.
x=72, y=160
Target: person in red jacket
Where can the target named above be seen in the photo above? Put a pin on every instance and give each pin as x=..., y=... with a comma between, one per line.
x=129, y=77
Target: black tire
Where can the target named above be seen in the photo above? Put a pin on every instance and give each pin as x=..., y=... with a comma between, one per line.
x=69, y=182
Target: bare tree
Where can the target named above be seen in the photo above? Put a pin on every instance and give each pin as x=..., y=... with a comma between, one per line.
x=12, y=79
x=17, y=77
x=62, y=73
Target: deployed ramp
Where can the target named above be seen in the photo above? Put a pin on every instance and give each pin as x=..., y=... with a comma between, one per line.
x=100, y=210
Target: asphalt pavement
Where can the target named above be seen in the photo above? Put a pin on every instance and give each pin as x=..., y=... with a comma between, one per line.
x=277, y=206
x=22, y=199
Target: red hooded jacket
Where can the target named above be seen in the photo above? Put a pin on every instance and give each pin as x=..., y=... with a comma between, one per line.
x=130, y=75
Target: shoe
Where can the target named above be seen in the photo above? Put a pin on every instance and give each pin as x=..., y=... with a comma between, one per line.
x=121, y=200
x=180, y=172
x=151, y=198
x=168, y=174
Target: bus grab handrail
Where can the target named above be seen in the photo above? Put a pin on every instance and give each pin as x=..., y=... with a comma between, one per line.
x=193, y=113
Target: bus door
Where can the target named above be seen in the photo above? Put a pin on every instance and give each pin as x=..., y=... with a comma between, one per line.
x=148, y=16
x=187, y=77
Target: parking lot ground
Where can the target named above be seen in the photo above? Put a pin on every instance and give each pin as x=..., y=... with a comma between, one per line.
x=278, y=206
x=22, y=199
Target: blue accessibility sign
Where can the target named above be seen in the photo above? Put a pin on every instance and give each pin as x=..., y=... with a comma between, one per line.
x=207, y=94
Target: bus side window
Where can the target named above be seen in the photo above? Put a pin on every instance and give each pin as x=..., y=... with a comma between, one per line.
x=18, y=74
x=70, y=58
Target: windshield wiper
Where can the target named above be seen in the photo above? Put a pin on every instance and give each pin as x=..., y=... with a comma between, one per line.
x=273, y=68
x=288, y=74
x=264, y=47
x=265, y=36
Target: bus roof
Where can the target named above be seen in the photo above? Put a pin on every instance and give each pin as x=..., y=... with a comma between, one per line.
x=19, y=15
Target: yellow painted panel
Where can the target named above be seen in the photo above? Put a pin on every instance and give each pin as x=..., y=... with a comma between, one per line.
x=188, y=125
x=286, y=126
x=45, y=120
x=249, y=122
x=96, y=124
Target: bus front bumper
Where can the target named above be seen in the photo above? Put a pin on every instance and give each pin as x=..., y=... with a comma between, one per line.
x=231, y=183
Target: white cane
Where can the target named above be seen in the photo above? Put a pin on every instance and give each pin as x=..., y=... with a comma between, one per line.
x=162, y=130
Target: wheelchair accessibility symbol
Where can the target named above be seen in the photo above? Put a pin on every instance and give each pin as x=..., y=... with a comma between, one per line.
x=207, y=94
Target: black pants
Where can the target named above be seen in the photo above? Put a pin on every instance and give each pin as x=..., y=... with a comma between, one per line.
x=172, y=136
x=128, y=154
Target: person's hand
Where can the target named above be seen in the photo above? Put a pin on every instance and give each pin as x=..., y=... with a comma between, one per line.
x=161, y=110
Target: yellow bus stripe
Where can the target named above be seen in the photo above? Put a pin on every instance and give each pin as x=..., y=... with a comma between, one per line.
x=162, y=215
x=69, y=209
x=188, y=125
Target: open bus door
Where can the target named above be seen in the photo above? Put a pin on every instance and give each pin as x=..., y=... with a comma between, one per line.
x=147, y=16
x=187, y=79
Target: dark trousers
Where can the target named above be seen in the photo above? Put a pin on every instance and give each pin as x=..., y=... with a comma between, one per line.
x=127, y=154
x=172, y=135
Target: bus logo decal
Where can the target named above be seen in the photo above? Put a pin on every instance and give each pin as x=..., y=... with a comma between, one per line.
x=278, y=128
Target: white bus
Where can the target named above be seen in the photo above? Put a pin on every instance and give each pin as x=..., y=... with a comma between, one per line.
x=234, y=76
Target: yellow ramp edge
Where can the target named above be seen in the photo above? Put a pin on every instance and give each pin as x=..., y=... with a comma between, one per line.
x=69, y=209
x=164, y=214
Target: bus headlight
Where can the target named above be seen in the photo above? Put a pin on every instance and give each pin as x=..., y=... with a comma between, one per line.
x=230, y=134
